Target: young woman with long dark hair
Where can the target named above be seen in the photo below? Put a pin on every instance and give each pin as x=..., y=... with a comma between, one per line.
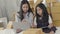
x=43, y=19
x=24, y=18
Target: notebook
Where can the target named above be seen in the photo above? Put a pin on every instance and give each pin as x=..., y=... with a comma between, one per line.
x=21, y=25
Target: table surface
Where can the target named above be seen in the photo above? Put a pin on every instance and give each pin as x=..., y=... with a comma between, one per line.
x=11, y=31
x=7, y=31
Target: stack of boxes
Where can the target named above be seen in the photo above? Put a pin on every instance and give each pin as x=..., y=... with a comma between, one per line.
x=54, y=10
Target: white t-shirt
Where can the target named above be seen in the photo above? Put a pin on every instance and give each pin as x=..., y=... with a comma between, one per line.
x=50, y=20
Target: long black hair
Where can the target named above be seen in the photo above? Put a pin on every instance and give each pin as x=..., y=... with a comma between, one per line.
x=21, y=11
x=44, y=12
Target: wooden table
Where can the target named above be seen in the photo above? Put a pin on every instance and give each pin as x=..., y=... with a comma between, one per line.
x=33, y=31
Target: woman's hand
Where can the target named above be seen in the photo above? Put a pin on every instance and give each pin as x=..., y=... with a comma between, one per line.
x=18, y=30
x=24, y=20
x=33, y=26
x=50, y=25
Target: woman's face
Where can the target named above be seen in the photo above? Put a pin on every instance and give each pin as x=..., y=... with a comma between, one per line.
x=25, y=7
x=39, y=10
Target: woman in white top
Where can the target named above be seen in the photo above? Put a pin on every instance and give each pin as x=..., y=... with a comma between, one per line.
x=24, y=18
x=43, y=19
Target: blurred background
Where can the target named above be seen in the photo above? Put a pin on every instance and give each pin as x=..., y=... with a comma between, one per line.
x=8, y=9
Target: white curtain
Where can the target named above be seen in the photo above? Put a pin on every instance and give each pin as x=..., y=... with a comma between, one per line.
x=2, y=8
x=8, y=7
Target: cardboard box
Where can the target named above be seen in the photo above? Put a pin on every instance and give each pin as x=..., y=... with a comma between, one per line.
x=56, y=23
x=49, y=1
x=55, y=10
x=33, y=31
x=57, y=4
x=56, y=16
x=37, y=2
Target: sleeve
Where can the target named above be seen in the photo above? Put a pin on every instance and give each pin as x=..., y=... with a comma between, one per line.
x=17, y=19
x=31, y=18
x=17, y=22
x=50, y=19
x=35, y=21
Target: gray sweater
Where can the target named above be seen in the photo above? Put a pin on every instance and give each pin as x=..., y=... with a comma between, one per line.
x=25, y=25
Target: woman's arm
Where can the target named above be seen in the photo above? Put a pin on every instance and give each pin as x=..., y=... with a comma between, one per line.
x=35, y=24
x=50, y=22
x=31, y=19
x=16, y=24
x=17, y=18
x=35, y=21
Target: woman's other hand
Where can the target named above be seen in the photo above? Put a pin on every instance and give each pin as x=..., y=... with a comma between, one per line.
x=24, y=20
x=50, y=25
x=18, y=30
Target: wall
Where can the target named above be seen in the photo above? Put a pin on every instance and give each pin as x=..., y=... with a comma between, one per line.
x=7, y=8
